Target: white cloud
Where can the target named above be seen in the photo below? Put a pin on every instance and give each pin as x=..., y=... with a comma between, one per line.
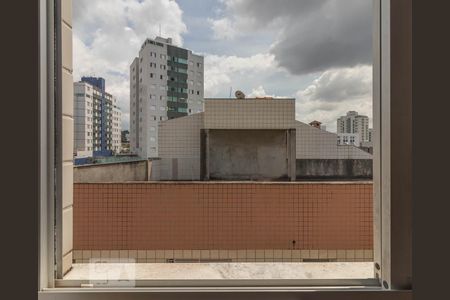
x=108, y=35
x=223, y=29
x=335, y=92
x=223, y=71
x=311, y=35
x=259, y=92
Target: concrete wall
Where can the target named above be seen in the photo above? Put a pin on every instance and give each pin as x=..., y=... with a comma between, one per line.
x=185, y=168
x=334, y=169
x=247, y=155
x=113, y=172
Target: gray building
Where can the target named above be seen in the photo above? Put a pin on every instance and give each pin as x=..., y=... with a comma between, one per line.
x=166, y=82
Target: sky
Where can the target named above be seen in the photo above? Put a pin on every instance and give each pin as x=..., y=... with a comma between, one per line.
x=316, y=51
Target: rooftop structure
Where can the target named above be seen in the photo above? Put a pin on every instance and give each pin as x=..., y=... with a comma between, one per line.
x=251, y=139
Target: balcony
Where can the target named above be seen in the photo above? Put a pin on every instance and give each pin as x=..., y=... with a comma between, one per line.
x=220, y=230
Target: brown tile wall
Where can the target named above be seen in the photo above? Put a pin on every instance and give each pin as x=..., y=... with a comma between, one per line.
x=222, y=216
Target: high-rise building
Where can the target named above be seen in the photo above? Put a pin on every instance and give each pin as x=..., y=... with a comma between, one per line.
x=370, y=134
x=166, y=82
x=97, y=116
x=354, y=123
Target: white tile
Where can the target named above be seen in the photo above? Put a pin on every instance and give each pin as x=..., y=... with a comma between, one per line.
x=67, y=138
x=67, y=93
x=67, y=230
x=67, y=184
x=66, y=43
x=66, y=11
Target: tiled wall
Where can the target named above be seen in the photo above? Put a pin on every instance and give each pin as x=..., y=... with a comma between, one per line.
x=247, y=255
x=179, y=149
x=314, y=143
x=180, y=137
x=249, y=114
x=326, y=220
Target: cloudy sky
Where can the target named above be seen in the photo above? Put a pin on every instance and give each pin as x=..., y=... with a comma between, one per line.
x=318, y=51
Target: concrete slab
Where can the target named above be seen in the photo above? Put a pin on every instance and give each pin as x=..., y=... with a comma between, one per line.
x=177, y=271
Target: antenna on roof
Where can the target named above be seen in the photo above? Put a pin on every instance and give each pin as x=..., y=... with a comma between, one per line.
x=231, y=89
x=159, y=29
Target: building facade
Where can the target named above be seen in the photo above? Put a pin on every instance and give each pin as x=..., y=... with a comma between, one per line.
x=166, y=82
x=349, y=139
x=248, y=139
x=97, y=130
x=354, y=123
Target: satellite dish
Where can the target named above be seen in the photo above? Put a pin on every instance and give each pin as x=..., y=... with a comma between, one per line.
x=239, y=95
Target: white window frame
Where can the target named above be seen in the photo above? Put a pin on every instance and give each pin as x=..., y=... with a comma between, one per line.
x=389, y=283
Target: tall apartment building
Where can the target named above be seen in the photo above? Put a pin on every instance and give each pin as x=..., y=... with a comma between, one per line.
x=354, y=123
x=97, y=128
x=166, y=82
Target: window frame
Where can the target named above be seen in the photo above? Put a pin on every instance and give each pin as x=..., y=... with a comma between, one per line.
x=390, y=283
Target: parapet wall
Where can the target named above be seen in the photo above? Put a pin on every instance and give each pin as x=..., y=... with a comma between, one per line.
x=225, y=217
x=113, y=172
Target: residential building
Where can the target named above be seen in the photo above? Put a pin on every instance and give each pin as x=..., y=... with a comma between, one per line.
x=125, y=136
x=354, y=123
x=166, y=82
x=349, y=139
x=125, y=141
x=97, y=119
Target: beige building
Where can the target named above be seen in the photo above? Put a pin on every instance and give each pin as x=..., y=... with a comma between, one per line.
x=260, y=136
